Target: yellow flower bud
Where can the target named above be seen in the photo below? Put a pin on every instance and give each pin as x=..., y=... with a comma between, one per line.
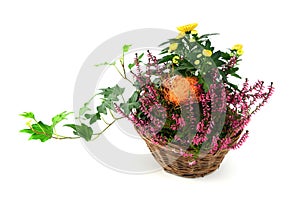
x=199, y=55
x=173, y=47
x=197, y=62
x=175, y=59
x=206, y=52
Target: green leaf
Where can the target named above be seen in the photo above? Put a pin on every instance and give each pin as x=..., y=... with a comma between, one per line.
x=126, y=47
x=27, y=131
x=112, y=92
x=82, y=130
x=131, y=103
x=102, y=109
x=205, y=87
x=236, y=75
x=58, y=118
x=207, y=44
x=140, y=56
x=83, y=109
x=41, y=131
x=232, y=70
x=29, y=115
x=40, y=137
x=165, y=59
x=207, y=35
x=131, y=65
x=225, y=56
x=94, y=118
x=232, y=85
x=216, y=55
x=134, y=97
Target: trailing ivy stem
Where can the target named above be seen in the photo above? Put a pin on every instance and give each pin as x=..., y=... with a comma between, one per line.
x=104, y=121
x=57, y=136
x=119, y=71
x=64, y=137
x=98, y=134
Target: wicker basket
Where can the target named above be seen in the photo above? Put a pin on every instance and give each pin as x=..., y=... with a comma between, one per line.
x=167, y=156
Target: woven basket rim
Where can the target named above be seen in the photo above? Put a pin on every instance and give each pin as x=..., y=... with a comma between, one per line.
x=178, y=147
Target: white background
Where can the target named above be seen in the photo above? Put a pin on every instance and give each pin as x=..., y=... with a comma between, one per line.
x=42, y=47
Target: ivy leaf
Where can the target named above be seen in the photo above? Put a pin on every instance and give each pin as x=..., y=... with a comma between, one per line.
x=112, y=92
x=41, y=137
x=102, y=109
x=58, y=118
x=131, y=103
x=126, y=47
x=42, y=132
x=94, y=118
x=27, y=131
x=82, y=130
x=29, y=115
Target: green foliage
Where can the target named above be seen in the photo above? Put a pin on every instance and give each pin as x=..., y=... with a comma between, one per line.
x=82, y=130
x=39, y=130
x=131, y=103
x=29, y=115
x=110, y=96
x=131, y=65
x=60, y=117
x=126, y=47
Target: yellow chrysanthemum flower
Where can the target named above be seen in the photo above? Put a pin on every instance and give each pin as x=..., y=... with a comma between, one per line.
x=237, y=47
x=206, y=52
x=187, y=28
x=173, y=47
x=175, y=59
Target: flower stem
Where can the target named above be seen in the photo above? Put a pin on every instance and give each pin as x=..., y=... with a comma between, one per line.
x=98, y=134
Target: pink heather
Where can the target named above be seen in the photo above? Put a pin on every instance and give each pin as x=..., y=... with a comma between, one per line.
x=237, y=105
x=241, y=141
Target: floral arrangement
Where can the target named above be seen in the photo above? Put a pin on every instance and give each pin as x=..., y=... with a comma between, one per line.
x=184, y=97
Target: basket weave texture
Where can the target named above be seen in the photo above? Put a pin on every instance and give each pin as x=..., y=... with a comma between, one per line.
x=171, y=161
